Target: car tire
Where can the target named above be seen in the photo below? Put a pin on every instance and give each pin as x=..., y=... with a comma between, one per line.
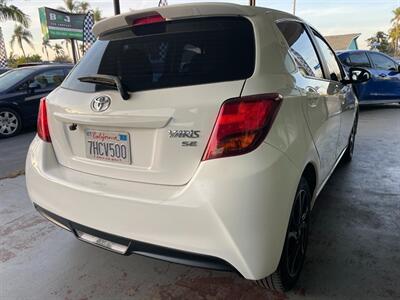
x=10, y=122
x=348, y=154
x=296, y=241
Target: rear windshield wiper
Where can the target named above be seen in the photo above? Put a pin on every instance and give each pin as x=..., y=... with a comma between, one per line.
x=107, y=80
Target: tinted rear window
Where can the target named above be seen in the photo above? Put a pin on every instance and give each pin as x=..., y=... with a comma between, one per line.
x=171, y=54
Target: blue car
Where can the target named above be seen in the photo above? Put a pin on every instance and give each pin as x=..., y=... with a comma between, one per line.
x=20, y=93
x=384, y=86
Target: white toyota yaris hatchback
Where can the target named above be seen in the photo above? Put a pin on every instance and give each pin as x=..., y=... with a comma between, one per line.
x=199, y=134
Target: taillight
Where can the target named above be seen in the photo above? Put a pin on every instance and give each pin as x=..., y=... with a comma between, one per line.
x=42, y=122
x=242, y=124
x=148, y=20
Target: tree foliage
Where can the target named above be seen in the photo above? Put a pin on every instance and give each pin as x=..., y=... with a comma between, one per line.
x=19, y=36
x=14, y=61
x=380, y=42
x=388, y=42
x=74, y=6
x=62, y=59
x=11, y=12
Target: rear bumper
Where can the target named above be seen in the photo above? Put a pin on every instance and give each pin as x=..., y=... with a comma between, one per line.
x=137, y=247
x=234, y=211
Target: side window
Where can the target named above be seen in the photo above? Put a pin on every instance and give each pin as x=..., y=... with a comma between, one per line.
x=330, y=57
x=359, y=59
x=49, y=79
x=66, y=72
x=382, y=62
x=23, y=87
x=301, y=48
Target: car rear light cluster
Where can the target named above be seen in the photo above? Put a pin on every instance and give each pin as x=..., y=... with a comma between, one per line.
x=42, y=122
x=242, y=124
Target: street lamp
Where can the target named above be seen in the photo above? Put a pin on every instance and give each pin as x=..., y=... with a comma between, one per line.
x=117, y=9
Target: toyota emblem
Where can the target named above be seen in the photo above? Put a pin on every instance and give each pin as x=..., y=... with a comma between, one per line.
x=101, y=103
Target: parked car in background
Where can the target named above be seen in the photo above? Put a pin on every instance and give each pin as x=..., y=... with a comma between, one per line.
x=384, y=86
x=129, y=156
x=20, y=93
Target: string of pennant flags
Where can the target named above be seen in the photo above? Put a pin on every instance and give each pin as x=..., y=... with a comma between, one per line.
x=88, y=36
x=3, y=53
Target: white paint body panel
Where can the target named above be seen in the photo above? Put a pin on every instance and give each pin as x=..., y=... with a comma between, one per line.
x=234, y=208
x=237, y=215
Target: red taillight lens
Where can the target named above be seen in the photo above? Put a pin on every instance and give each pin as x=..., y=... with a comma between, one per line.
x=148, y=20
x=42, y=122
x=242, y=124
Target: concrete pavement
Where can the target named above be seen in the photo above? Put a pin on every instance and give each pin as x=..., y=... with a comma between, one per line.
x=13, y=152
x=354, y=250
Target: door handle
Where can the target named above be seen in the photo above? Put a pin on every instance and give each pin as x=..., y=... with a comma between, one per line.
x=382, y=75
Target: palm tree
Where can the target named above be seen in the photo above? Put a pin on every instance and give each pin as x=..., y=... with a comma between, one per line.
x=83, y=7
x=394, y=36
x=20, y=35
x=74, y=6
x=396, y=19
x=97, y=14
x=394, y=32
x=45, y=46
x=11, y=12
x=58, y=49
x=66, y=43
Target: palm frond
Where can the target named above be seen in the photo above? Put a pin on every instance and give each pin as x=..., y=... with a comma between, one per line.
x=11, y=12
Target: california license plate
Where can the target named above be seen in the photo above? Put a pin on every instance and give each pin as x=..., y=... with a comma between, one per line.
x=108, y=146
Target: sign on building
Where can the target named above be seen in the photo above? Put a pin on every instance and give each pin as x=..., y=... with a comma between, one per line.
x=57, y=24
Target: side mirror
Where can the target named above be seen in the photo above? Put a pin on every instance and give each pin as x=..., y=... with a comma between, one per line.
x=357, y=75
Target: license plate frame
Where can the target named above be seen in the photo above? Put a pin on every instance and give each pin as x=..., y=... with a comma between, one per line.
x=108, y=146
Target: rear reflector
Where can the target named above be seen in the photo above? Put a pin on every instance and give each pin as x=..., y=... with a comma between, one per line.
x=102, y=242
x=242, y=124
x=42, y=122
x=148, y=20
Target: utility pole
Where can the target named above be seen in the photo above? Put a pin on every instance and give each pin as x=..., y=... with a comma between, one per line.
x=117, y=9
x=252, y=3
x=294, y=7
x=73, y=48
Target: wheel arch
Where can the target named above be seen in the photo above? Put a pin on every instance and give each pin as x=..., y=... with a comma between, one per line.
x=310, y=174
x=12, y=106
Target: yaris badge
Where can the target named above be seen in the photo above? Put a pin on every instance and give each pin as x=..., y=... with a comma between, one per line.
x=101, y=103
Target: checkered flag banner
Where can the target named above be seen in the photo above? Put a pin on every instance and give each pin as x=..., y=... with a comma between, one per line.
x=3, y=53
x=88, y=36
x=162, y=3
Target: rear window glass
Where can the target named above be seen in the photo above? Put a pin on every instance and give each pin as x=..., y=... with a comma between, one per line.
x=171, y=54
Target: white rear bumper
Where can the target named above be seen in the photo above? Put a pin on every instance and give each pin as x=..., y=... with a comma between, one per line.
x=235, y=209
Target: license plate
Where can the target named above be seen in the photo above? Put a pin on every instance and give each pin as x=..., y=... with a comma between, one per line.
x=108, y=146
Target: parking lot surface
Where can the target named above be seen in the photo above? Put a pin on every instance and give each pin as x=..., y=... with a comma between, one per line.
x=13, y=152
x=354, y=250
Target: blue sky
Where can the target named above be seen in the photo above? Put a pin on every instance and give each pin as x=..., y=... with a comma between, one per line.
x=328, y=16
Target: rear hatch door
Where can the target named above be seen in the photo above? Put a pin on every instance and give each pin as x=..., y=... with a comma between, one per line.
x=177, y=73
